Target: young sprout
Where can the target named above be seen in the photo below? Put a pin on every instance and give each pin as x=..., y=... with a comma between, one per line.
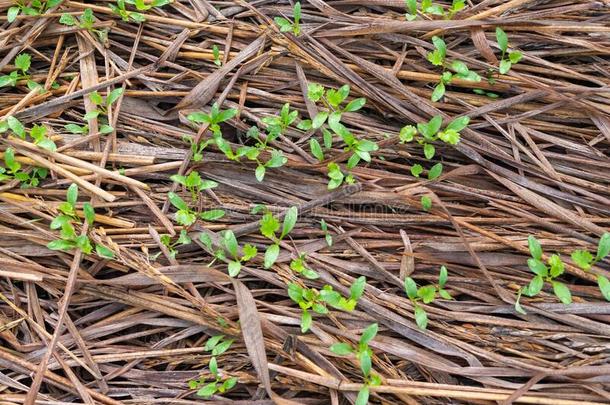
x=513, y=57
x=216, y=54
x=166, y=240
x=584, y=260
x=299, y=266
x=425, y=294
x=214, y=118
x=269, y=226
x=276, y=158
x=86, y=21
x=64, y=222
x=102, y=106
x=426, y=203
x=217, y=345
x=287, y=25
x=327, y=235
x=230, y=246
x=22, y=62
x=185, y=216
x=548, y=272
x=194, y=183
x=427, y=7
x=317, y=301
x=33, y=8
x=38, y=133
x=120, y=10
x=364, y=356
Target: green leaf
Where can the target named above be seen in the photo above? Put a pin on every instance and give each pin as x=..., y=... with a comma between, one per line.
x=368, y=334
x=535, y=286
x=407, y=133
x=59, y=221
x=295, y=292
x=84, y=244
x=426, y=203
x=12, y=13
x=16, y=126
x=89, y=213
x=91, y=115
x=342, y=349
x=23, y=62
x=277, y=159
x=7, y=80
x=249, y=252
x=226, y=115
x=460, y=67
x=416, y=170
x=222, y=347
x=435, y=171
x=213, y=365
x=429, y=151
x=515, y=57
x=410, y=288
x=505, y=66
x=562, y=292
x=502, y=39
x=96, y=98
x=334, y=122
x=206, y=240
x=534, y=247
x=269, y=225
x=137, y=17
x=421, y=318
x=60, y=244
x=445, y=294
x=537, y=267
x=582, y=258
x=305, y=321
x=230, y=242
x=557, y=267
x=229, y=384
x=357, y=288
x=185, y=217
x=439, y=92
x=603, y=247
x=604, y=286
x=76, y=129
x=289, y=221
x=365, y=362
x=440, y=45
x=315, y=91
x=427, y=293
x=212, y=215
x=449, y=136
x=518, y=306
x=259, y=173
x=411, y=6
x=106, y=129
x=271, y=255
x=355, y=104
x=207, y=390
x=283, y=23
x=72, y=194
x=212, y=342
x=305, y=125
x=47, y=144
x=442, y=278
x=198, y=117
x=176, y=201
x=114, y=96
x=319, y=119
x=459, y=123
x=363, y=396
x=316, y=149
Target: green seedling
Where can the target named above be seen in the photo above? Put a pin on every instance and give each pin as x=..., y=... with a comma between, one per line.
x=33, y=8
x=269, y=227
x=13, y=171
x=457, y=68
x=286, y=25
x=317, y=301
x=142, y=5
x=85, y=21
x=427, y=133
x=65, y=223
x=38, y=133
x=216, y=54
x=194, y=183
x=327, y=235
x=102, y=105
x=585, y=260
x=166, y=240
x=22, y=63
x=426, y=294
x=217, y=345
x=299, y=266
x=276, y=158
x=213, y=119
x=185, y=216
x=548, y=272
x=364, y=355
x=229, y=245
x=485, y=93
x=426, y=203
x=428, y=8
x=513, y=57
x=120, y=9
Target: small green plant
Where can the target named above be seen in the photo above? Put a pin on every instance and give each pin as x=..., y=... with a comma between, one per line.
x=426, y=203
x=364, y=355
x=194, y=183
x=427, y=7
x=213, y=119
x=287, y=25
x=185, y=216
x=22, y=62
x=276, y=157
x=299, y=266
x=217, y=345
x=426, y=133
x=13, y=171
x=459, y=68
x=426, y=294
x=64, y=222
x=38, y=133
x=33, y=8
x=102, y=105
x=327, y=235
x=513, y=57
x=548, y=272
x=331, y=116
x=269, y=226
x=120, y=9
x=144, y=5
x=216, y=54
x=584, y=260
x=317, y=301
x=229, y=245
x=85, y=21
x=166, y=240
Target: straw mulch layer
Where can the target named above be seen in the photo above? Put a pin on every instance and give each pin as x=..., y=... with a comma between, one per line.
x=78, y=328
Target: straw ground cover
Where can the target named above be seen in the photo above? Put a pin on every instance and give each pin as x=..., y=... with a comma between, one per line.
x=323, y=202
